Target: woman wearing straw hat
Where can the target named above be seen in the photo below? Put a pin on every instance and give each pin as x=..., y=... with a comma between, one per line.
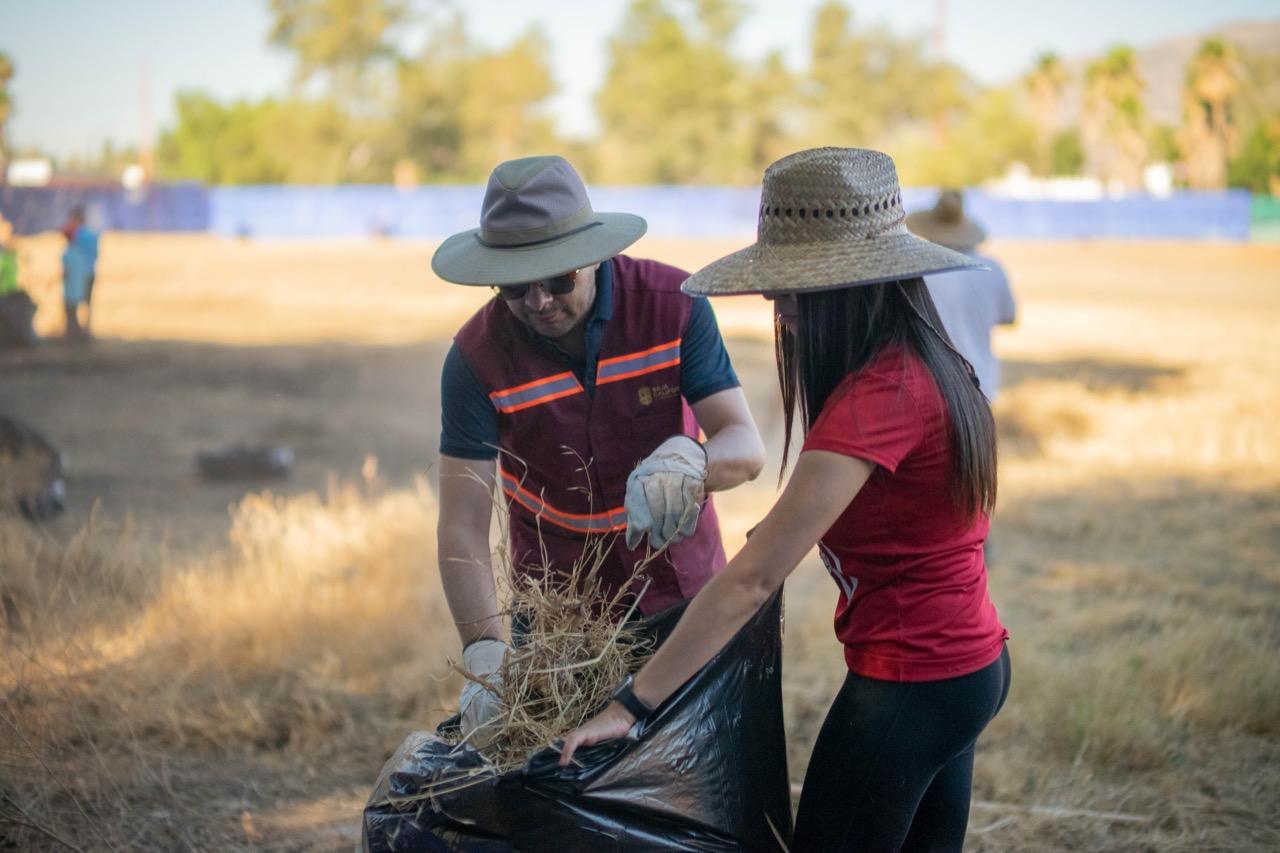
x=895, y=482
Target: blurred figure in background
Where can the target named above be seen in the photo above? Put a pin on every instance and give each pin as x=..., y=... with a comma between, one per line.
x=85, y=239
x=16, y=308
x=971, y=302
x=75, y=286
x=8, y=259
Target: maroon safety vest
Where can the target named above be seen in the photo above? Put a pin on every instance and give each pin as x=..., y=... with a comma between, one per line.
x=566, y=454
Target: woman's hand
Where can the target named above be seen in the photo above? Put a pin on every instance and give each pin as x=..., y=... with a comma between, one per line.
x=610, y=724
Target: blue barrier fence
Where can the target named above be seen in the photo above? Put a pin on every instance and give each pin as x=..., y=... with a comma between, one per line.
x=275, y=211
x=162, y=207
x=301, y=211
x=708, y=212
x=1182, y=216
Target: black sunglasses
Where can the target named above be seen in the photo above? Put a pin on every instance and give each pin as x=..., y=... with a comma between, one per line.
x=555, y=286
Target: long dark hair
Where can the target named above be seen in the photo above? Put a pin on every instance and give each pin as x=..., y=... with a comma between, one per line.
x=839, y=332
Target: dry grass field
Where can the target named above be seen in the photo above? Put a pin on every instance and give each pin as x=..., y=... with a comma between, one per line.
x=187, y=665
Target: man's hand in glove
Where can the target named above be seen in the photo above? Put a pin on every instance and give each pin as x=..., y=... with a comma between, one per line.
x=664, y=492
x=479, y=706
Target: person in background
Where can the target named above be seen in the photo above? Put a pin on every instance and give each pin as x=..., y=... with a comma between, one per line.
x=894, y=484
x=973, y=301
x=77, y=231
x=598, y=396
x=8, y=259
x=75, y=283
x=16, y=308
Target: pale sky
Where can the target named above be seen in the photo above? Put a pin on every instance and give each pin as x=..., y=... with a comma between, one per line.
x=79, y=62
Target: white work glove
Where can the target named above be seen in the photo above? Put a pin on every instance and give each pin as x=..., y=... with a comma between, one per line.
x=480, y=707
x=663, y=492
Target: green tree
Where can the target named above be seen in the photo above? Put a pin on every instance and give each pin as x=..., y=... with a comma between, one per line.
x=1114, y=120
x=1258, y=99
x=338, y=39
x=866, y=83
x=1162, y=144
x=990, y=136
x=502, y=112
x=1066, y=157
x=1257, y=166
x=1208, y=135
x=670, y=106
x=1046, y=83
x=461, y=108
x=429, y=94
x=771, y=119
x=268, y=141
x=1256, y=109
x=317, y=142
x=217, y=143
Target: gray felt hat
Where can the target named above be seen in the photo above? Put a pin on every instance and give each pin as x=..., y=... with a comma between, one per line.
x=829, y=218
x=536, y=222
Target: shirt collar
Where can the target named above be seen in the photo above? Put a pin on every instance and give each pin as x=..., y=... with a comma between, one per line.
x=602, y=311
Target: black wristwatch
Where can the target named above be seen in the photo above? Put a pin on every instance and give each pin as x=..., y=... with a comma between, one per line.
x=627, y=698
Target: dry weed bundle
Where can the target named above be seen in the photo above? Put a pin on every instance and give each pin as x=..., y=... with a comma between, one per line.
x=570, y=659
x=579, y=640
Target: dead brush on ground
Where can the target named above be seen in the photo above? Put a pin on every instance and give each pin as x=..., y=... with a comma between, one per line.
x=120, y=668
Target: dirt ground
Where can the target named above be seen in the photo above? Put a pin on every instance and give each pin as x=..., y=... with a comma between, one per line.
x=1140, y=489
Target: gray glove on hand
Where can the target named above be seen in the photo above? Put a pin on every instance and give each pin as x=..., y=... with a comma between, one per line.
x=480, y=707
x=664, y=491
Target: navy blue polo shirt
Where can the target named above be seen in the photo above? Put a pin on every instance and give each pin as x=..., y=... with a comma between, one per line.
x=469, y=425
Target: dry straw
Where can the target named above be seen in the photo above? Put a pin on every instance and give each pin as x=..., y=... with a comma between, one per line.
x=581, y=641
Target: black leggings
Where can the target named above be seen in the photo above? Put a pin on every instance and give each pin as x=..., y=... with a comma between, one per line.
x=893, y=765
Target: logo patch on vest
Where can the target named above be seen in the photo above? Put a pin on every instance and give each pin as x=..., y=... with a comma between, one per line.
x=650, y=394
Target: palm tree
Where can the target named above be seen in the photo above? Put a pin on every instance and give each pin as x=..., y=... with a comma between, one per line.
x=1113, y=121
x=1209, y=134
x=1045, y=84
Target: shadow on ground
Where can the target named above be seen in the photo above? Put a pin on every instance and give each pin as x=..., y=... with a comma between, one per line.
x=1094, y=374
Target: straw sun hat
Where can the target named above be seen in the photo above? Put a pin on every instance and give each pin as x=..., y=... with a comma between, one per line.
x=829, y=218
x=946, y=223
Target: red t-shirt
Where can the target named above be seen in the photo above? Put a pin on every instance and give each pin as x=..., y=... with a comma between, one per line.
x=913, y=582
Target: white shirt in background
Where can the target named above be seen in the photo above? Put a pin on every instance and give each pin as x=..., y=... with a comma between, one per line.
x=971, y=303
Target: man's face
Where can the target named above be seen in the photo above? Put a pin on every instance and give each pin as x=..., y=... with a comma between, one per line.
x=554, y=316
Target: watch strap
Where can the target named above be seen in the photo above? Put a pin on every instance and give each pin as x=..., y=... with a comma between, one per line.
x=626, y=696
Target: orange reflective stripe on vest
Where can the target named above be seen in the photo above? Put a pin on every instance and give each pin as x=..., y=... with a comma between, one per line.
x=638, y=363
x=600, y=522
x=613, y=369
x=536, y=393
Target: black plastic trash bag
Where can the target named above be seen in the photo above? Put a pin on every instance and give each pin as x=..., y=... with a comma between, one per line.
x=707, y=772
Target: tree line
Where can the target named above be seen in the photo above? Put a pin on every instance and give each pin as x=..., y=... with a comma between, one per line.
x=677, y=105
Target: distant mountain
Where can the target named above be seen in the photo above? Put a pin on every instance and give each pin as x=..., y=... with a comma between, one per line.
x=1163, y=65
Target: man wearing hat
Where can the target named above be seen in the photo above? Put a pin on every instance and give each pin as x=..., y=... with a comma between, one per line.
x=588, y=379
x=973, y=301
